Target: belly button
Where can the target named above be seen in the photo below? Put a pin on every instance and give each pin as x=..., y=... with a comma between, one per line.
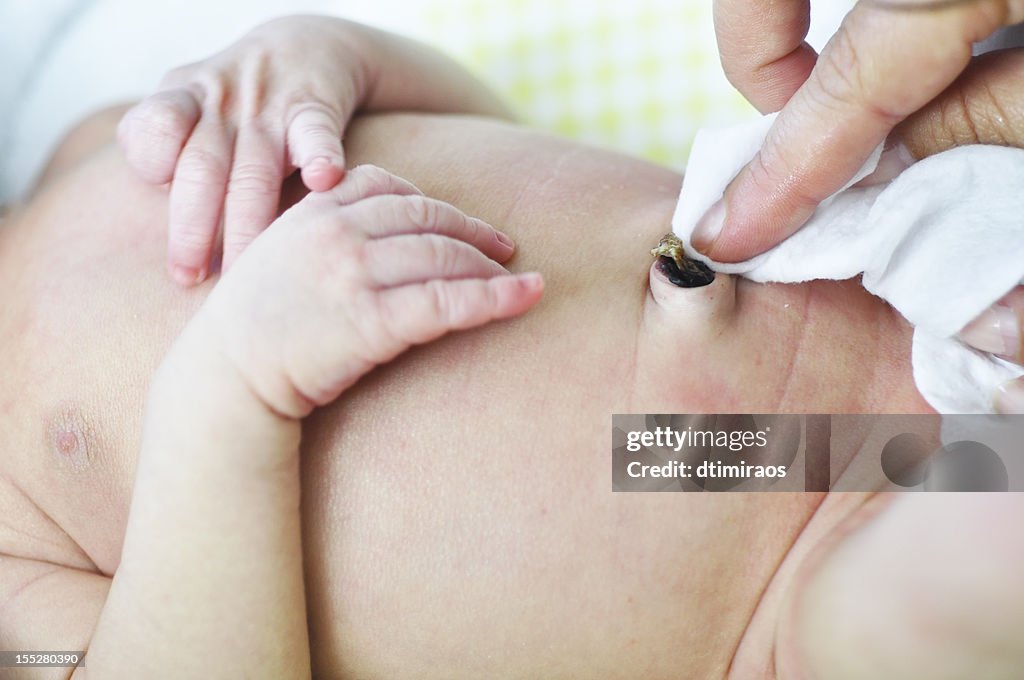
x=680, y=269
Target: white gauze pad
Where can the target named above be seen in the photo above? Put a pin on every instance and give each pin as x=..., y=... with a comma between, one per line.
x=940, y=243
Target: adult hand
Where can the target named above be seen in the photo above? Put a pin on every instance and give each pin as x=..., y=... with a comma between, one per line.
x=889, y=59
x=985, y=105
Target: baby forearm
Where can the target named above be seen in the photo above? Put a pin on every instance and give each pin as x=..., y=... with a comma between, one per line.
x=210, y=581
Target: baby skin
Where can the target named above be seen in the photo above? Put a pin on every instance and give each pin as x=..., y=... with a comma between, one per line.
x=343, y=281
x=450, y=514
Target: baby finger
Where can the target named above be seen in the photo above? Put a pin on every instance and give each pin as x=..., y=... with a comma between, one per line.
x=407, y=259
x=314, y=138
x=365, y=181
x=197, y=196
x=154, y=131
x=385, y=216
x=254, y=190
x=416, y=314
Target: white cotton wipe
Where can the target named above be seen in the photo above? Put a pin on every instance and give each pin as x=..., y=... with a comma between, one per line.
x=940, y=243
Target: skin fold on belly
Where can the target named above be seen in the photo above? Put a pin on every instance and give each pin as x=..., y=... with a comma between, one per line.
x=458, y=513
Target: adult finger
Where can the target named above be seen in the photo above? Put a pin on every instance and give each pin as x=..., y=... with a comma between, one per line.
x=314, y=140
x=883, y=64
x=982, y=106
x=998, y=328
x=153, y=132
x=415, y=258
x=197, y=198
x=384, y=216
x=253, y=189
x=761, y=43
x=419, y=313
x=1009, y=398
x=985, y=105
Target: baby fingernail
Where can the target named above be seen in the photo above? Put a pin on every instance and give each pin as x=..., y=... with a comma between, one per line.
x=531, y=280
x=323, y=173
x=996, y=330
x=709, y=227
x=1009, y=398
x=505, y=240
x=186, y=276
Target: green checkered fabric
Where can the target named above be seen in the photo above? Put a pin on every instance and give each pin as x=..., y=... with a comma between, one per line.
x=640, y=77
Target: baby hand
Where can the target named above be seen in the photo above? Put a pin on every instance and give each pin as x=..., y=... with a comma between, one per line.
x=227, y=130
x=350, y=278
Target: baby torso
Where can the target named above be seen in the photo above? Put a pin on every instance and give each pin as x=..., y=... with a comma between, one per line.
x=458, y=513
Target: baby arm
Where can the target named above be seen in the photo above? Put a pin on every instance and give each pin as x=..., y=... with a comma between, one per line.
x=210, y=582
x=227, y=130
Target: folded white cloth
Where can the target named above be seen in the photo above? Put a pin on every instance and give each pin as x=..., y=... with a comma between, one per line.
x=941, y=243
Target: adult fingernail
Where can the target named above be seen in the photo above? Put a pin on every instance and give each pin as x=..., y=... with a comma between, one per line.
x=996, y=330
x=893, y=161
x=186, y=276
x=1009, y=398
x=709, y=227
